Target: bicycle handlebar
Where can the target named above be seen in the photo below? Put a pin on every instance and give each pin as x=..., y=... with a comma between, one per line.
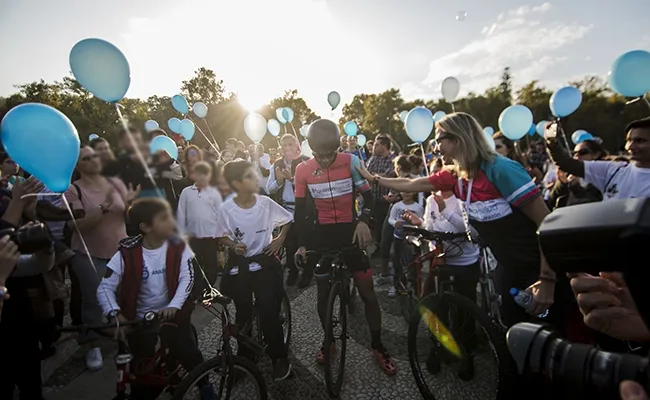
x=214, y=296
x=434, y=235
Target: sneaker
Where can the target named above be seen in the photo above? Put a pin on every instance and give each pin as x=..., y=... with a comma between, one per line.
x=281, y=369
x=292, y=277
x=392, y=292
x=94, y=359
x=382, y=280
x=383, y=359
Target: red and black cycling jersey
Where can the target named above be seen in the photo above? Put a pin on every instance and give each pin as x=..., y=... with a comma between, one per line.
x=332, y=191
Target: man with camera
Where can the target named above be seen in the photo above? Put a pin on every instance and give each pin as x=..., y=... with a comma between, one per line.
x=26, y=254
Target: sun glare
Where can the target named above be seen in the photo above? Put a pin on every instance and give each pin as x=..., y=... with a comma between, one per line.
x=252, y=103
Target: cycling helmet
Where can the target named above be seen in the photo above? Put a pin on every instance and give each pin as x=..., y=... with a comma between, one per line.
x=323, y=136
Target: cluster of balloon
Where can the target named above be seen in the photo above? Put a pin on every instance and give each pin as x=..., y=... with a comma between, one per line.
x=274, y=127
x=334, y=99
x=305, y=149
x=450, y=89
x=419, y=124
x=350, y=128
x=402, y=115
x=515, y=121
x=180, y=104
x=284, y=115
x=93, y=136
x=580, y=136
x=200, y=109
x=565, y=101
x=43, y=141
x=150, y=125
x=164, y=143
x=540, y=127
x=187, y=129
x=255, y=127
x=361, y=140
x=437, y=116
x=303, y=130
x=630, y=74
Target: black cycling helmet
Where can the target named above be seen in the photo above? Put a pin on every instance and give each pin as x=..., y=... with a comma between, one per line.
x=323, y=136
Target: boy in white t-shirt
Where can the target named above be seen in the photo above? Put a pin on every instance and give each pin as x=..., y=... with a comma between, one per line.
x=246, y=224
x=154, y=271
x=396, y=219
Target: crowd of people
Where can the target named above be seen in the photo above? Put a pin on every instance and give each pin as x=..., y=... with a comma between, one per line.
x=150, y=232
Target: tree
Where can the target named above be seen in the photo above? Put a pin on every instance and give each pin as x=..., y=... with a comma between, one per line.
x=204, y=87
x=505, y=87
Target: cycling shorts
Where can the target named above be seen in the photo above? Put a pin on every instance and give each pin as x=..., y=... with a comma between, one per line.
x=336, y=237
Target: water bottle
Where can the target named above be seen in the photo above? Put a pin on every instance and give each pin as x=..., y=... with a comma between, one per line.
x=524, y=298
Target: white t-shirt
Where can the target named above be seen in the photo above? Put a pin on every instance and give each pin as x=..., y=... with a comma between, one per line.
x=398, y=210
x=618, y=180
x=252, y=226
x=153, y=294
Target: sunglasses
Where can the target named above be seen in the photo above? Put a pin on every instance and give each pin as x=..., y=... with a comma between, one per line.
x=90, y=157
x=582, y=152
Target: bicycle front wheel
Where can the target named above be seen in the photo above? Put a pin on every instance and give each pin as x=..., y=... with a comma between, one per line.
x=457, y=352
x=336, y=331
x=242, y=381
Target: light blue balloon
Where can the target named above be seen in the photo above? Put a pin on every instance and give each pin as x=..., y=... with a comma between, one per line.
x=93, y=136
x=419, y=124
x=532, y=130
x=540, y=127
x=200, y=109
x=164, y=143
x=151, y=125
x=488, y=130
x=565, y=101
x=287, y=113
x=174, y=124
x=515, y=121
x=43, y=141
x=101, y=68
x=274, y=127
x=187, y=129
x=361, y=140
x=580, y=136
x=438, y=115
x=180, y=104
x=630, y=74
x=350, y=128
x=279, y=116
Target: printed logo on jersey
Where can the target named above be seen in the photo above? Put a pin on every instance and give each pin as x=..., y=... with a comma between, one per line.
x=331, y=189
x=145, y=272
x=239, y=235
x=489, y=210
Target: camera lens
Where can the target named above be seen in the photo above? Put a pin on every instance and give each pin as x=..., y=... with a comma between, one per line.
x=537, y=348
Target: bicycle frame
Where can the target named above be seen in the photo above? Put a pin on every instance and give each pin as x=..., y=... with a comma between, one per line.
x=435, y=257
x=489, y=299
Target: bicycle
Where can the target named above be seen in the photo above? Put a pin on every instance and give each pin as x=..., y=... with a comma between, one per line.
x=159, y=370
x=232, y=369
x=455, y=336
x=488, y=298
x=342, y=287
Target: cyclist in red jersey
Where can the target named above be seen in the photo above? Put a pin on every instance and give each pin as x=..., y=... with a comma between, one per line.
x=330, y=183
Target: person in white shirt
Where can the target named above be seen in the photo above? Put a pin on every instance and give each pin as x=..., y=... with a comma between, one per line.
x=246, y=225
x=153, y=271
x=198, y=209
x=396, y=220
x=616, y=180
x=261, y=163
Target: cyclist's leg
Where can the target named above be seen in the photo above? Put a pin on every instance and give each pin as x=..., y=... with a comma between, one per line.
x=238, y=288
x=465, y=282
x=322, y=269
x=179, y=339
x=264, y=284
x=142, y=345
x=397, y=264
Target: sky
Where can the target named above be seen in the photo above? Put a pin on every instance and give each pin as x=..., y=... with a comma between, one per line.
x=260, y=48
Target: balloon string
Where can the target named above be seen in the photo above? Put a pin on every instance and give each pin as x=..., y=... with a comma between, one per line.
x=135, y=146
x=646, y=101
x=561, y=129
x=85, y=246
x=211, y=134
x=453, y=108
x=294, y=131
x=208, y=140
x=424, y=156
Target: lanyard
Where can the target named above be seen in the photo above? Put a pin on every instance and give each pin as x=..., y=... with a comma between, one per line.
x=465, y=206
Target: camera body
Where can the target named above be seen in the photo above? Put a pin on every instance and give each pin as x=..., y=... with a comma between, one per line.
x=29, y=238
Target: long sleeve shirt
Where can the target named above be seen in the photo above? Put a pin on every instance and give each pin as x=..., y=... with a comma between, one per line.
x=288, y=195
x=198, y=210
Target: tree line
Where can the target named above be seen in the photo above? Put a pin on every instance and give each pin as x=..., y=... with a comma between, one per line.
x=602, y=112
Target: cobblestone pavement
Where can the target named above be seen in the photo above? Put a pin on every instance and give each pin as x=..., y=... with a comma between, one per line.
x=363, y=378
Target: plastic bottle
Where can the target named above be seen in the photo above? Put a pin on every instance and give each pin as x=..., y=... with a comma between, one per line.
x=524, y=298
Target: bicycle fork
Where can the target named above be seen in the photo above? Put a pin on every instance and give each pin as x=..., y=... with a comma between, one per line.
x=123, y=363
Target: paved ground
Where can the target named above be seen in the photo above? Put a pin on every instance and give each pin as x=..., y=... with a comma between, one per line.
x=66, y=377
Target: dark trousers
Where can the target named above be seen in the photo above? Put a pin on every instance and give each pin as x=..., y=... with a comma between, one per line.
x=205, y=251
x=291, y=246
x=398, y=266
x=178, y=338
x=387, y=238
x=379, y=213
x=266, y=285
x=75, y=297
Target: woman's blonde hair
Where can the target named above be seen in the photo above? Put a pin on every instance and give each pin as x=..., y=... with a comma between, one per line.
x=472, y=149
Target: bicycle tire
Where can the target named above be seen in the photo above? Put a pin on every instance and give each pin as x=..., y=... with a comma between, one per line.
x=214, y=363
x=334, y=388
x=286, y=305
x=506, y=373
x=353, y=295
x=407, y=305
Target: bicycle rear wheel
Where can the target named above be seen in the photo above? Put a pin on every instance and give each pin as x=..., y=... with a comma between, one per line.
x=246, y=383
x=456, y=351
x=285, y=318
x=336, y=331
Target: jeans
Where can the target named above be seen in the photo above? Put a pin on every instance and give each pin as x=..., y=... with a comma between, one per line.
x=89, y=278
x=267, y=286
